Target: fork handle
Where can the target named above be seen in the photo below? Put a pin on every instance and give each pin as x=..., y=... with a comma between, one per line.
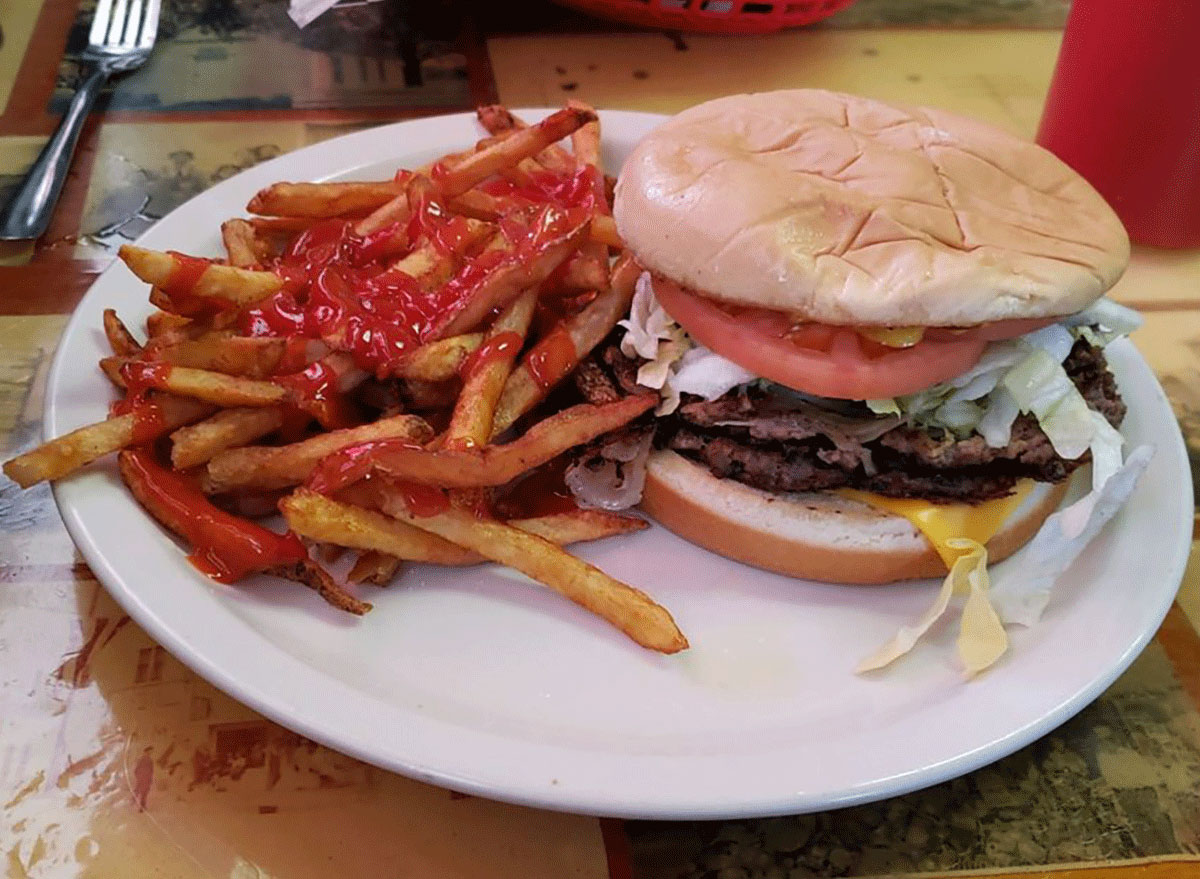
x=28, y=212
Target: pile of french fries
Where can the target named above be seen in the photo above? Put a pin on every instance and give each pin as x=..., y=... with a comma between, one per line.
x=398, y=458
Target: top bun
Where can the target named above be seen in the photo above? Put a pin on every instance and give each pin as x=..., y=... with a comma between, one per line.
x=847, y=210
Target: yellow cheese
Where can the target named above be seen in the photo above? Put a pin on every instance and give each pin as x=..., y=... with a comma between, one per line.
x=941, y=523
x=893, y=337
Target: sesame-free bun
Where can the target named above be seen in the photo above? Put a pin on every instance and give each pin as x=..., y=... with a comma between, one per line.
x=847, y=210
x=815, y=536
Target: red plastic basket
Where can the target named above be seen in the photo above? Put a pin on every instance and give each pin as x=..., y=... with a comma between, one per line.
x=711, y=16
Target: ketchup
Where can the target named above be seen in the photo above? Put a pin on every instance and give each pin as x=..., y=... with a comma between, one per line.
x=446, y=232
x=549, y=225
x=552, y=358
x=501, y=346
x=353, y=464
x=583, y=189
x=316, y=393
x=224, y=546
x=142, y=375
x=542, y=492
x=294, y=357
x=185, y=274
x=350, y=464
x=340, y=287
x=337, y=288
x=180, y=286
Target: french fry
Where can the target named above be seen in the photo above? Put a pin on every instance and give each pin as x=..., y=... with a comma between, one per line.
x=471, y=170
x=585, y=140
x=247, y=356
x=320, y=581
x=374, y=567
x=438, y=361
x=242, y=244
x=317, y=517
x=321, y=201
x=214, y=387
x=629, y=609
x=578, y=526
x=159, y=323
x=479, y=205
x=281, y=226
x=498, y=119
x=604, y=230
x=471, y=421
x=198, y=443
x=588, y=268
x=261, y=467
x=111, y=367
x=394, y=210
x=321, y=518
x=432, y=264
x=225, y=285
x=461, y=268
x=65, y=454
x=417, y=192
x=321, y=389
x=496, y=465
x=583, y=331
x=121, y=341
x=508, y=280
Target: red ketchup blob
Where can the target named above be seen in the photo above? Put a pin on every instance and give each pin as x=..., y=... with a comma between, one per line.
x=341, y=288
x=498, y=347
x=224, y=546
x=551, y=359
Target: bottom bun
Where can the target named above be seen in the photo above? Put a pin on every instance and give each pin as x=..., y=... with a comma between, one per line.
x=813, y=535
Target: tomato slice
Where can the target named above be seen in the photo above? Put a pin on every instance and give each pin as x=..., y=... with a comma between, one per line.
x=824, y=360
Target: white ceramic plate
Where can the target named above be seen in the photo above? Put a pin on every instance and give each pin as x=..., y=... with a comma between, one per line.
x=479, y=681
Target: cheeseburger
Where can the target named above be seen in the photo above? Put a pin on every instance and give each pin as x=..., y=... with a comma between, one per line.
x=873, y=328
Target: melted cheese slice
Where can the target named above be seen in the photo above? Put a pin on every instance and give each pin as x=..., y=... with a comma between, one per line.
x=942, y=523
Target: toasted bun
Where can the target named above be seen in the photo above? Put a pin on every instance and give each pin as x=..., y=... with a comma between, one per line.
x=847, y=210
x=816, y=536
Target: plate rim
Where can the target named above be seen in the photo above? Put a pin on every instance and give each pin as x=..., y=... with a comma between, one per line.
x=530, y=792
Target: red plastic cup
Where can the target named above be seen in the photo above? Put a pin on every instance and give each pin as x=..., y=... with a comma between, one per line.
x=1124, y=111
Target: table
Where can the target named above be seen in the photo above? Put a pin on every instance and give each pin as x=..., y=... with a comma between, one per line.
x=116, y=761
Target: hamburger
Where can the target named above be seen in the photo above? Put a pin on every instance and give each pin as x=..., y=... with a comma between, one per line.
x=874, y=329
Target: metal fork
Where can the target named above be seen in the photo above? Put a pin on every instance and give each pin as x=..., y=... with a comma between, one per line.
x=120, y=40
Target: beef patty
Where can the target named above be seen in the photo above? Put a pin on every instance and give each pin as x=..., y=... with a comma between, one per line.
x=784, y=444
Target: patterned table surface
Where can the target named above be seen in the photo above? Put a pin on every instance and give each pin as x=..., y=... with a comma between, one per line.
x=115, y=761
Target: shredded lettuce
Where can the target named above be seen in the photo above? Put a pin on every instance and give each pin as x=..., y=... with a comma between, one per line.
x=1018, y=591
x=1021, y=587
x=981, y=636
x=675, y=364
x=1103, y=321
x=1026, y=375
x=1042, y=388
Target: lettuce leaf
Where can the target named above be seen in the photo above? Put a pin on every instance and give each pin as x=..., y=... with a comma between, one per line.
x=1021, y=587
x=981, y=636
x=675, y=364
x=1103, y=321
